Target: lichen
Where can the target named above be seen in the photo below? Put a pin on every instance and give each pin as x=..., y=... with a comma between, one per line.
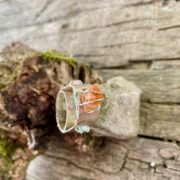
x=103, y=112
x=51, y=55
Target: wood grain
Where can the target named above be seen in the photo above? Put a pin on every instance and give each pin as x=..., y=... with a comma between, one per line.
x=160, y=121
x=104, y=33
x=159, y=86
x=134, y=34
x=135, y=159
x=160, y=103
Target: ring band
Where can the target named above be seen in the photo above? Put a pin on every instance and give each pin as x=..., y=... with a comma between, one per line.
x=78, y=106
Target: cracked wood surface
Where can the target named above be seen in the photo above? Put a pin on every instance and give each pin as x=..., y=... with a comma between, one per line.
x=159, y=86
x=160, y=102
x=104, y=33
x=134, y=159
x=136, y=34
x=138, y=158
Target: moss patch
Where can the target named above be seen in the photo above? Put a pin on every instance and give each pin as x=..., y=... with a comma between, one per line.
x=6, y=151
x=4, y=147
x=1, y=86
x=51, y=55
x=95, y=143
x=14, y=157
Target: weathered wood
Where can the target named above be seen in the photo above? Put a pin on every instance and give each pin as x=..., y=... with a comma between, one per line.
x=123, y=159
x=160, y=120
x=160, y=110
x=161, y=65
x=105, y=33
x=133, y=34
x=159, y=86
x=119, y=115
x=27, y=95
x=132, y=160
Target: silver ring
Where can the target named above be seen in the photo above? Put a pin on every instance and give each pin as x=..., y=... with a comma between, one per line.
x=71, y=112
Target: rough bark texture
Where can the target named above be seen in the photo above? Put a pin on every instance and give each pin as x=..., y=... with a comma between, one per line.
x=28, y=99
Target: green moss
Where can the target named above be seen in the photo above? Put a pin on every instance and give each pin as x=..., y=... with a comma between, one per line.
x=51, y=55
x=92, y=142
x=6, y=148
x=1, y=86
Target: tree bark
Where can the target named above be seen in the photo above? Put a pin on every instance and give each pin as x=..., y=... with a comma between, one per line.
x=28, y=95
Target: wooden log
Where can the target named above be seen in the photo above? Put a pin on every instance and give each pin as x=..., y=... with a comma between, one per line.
x=32, y=92
x=28, y=99
x=133, y=34
x=160, y=120
x=159, y=86
x=105, y=33
x=137, y=158
x=162, y=65
x=134, y=159
x=160, y=110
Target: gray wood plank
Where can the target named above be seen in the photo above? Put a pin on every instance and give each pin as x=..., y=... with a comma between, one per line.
x=104, y=33
x=159, y=86
x=160, y=102
x=131, y=160
x=160, y=121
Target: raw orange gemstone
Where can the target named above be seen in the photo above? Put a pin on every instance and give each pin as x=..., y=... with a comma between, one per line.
x=89, y=96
